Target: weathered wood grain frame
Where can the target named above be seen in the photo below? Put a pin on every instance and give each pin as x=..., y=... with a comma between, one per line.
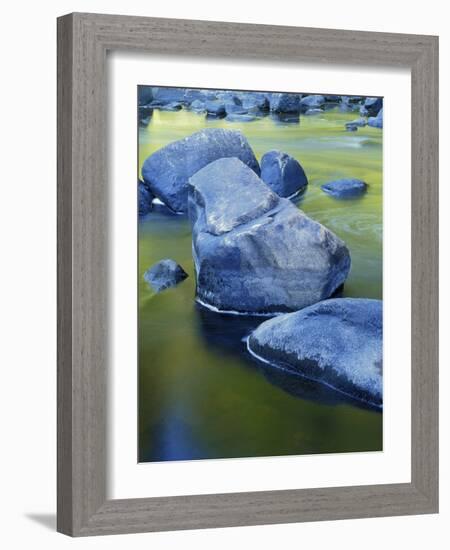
x=83, y=41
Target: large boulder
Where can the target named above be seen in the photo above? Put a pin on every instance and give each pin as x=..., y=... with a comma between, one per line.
x=283, y=173
x=168, y=170
x=284, y=103
x=346, y=188
x=337, y=342
x=164, y=274
x=255, y=252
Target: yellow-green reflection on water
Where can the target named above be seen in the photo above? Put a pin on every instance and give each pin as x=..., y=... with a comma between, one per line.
x=199, y=394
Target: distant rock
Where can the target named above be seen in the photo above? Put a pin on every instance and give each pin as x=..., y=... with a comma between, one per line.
x=371, y=106
x=215, y=108
x=311, y=102
x=283, y=173
x=145, y=198
x=232, y=108
x=164, y=274
x=171, y=106
x=255, y=252
x=167, y=171
x=164, y=95
x=198, y=106
x=345, y=188
x=191, y=94
x=376, y=122
x=255, y=101
x=145, y=95
x=285, y=103
x=351, y=127
x=337, y=342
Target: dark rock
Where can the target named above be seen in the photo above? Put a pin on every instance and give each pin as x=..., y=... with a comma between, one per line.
x=376, y=122
x=164, y=274
x=254, y=252
x=337, y=342
x=285, y=118
x=371, y=106
x=345, y=188
x=283, y=173
x=163, y=95
x=216, y=108
x=351, y=127
x=145, y=198
x=145, y=95
x=285, y=103
x=254, y=101
x=172, y=106
x=168, y=170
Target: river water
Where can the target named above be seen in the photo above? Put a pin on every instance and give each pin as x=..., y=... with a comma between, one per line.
x=200, y=394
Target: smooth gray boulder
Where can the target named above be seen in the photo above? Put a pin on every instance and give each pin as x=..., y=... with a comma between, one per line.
x=283, y=173
x=164, y=274
x=167, y=171
x=255, y=252
x=346, y=188
x=337, y=342
x=358, y=123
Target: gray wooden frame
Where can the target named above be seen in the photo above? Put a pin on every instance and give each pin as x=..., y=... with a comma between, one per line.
x=83, y=41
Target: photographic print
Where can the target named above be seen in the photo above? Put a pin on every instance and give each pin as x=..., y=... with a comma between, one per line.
x=259, y=273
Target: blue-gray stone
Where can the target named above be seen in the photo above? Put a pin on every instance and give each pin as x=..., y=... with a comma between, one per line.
x=232, y=108
x=371, y=106
x=216, y=108
x=345, y=188
x=351, y=127
x=198, y=106
x=171, y=106
x=162, y=95
x=255, y=101
x=164, y=274
x=190, y=95
x=168, y=170
x=377, y=121
x=255, y=252
x=237, y=117
x=358, y=122
x=283, y=173
x=145, y=198
x=145, y=95
x=311, y=102
x=284, y=103
x=337, y=342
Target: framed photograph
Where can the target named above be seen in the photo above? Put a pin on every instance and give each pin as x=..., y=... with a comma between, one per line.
x=247, y=274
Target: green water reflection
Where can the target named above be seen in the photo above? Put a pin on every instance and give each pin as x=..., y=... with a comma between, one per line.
x=199, y=394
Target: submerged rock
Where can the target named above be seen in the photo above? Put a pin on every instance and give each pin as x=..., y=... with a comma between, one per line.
x=337, y=342
x=164, y=274
x=236, y=117
x=283, y=173
x=312, y=112
x=345, y=188
x=351, y=127
x=360, y=122
x=145, y=198
x=255, y=252
x=168, y=170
